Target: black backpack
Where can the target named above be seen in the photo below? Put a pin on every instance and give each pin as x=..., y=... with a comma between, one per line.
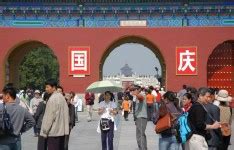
x=6, y=127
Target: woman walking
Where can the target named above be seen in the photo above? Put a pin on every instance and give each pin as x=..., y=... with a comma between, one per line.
x=107, y=110
x=225, y=117
x=42, y=142
x=170, y=103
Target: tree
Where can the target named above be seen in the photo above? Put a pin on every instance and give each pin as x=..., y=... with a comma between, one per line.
x=38, y=66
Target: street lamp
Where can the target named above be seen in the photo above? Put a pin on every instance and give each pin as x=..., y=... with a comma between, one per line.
x=156, y=68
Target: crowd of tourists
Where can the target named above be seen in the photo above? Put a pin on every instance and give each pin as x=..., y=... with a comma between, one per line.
x=206, y=113
x=190, y=119
x=52, y=117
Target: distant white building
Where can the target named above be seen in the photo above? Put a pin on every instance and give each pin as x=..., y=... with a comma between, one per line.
x=127, y=77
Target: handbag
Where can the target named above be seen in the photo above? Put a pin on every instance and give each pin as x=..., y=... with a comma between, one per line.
x=225, y=129
x=105, y=124
x=164, y=123
x=6, y=127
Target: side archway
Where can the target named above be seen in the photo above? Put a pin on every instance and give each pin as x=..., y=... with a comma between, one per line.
x=15, y=57
x=220, y=67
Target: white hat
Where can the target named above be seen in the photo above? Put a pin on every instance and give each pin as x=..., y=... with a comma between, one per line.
x=37, y=91
x=223, y=96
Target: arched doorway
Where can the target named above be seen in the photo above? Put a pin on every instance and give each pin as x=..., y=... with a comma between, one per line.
x=220, y=67
x=16, y=57
x=139, y=40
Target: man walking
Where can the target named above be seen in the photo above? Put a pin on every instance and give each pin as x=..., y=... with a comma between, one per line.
x=213, y=112
x=197, y=117
x=20, y=120
x=89, y=99
x=55, y=123
x=141, y=118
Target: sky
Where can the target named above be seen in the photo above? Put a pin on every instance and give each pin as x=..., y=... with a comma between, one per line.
x=141, y=59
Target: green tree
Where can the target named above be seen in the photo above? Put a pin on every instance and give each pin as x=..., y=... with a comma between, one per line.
x=38, y=66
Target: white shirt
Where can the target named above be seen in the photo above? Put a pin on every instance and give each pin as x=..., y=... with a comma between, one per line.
x=108, y=106
x=217, y=103
x=154, y=93
x=134, y=98
x=75, y=101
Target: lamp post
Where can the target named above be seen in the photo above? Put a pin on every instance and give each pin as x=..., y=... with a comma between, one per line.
x=156, y=68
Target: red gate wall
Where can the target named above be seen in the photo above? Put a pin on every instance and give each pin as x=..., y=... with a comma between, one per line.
x=99, y=39
x=220, y=66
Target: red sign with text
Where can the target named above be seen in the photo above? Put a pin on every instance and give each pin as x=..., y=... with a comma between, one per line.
x=79, y=60
x=186, y=61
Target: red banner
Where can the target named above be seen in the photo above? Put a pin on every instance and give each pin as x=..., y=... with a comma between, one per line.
x=79, y=60
x=186, y=60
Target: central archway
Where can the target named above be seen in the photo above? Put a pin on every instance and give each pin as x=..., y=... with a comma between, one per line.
x=139, y=40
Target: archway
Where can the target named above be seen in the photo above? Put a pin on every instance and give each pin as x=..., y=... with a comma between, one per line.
x=139, y=40
x=17, y=55
x=220, y=67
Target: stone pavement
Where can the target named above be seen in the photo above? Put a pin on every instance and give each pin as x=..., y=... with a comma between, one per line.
x=85, y=137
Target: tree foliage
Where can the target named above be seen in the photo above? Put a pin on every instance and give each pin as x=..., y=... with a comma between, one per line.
x=38, y=66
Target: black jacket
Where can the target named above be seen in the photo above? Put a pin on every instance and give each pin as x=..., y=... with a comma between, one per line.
x=213, y=115
x=197, y=117
x=72, y=116
x=38, y=116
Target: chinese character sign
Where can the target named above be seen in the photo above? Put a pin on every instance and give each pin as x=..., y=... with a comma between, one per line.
x=79, y=60
x=186, y=61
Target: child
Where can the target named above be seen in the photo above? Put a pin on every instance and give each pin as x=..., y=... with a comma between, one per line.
x=126, y=107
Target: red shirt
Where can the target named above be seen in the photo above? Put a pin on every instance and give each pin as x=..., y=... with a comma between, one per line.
x=158, y=97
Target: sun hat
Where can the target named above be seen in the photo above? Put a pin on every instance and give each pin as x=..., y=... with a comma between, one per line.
x=223, y=96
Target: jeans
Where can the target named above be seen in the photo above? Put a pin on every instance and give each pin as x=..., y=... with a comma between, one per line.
x=133, y=109
x=150, y=109
x=169, y=143
x=12, y=146
x=90, y=112
x=76, y=114
x=120, y=104
x=107, y=138
x=140, y=133
x=156, y=106
x=35, y=130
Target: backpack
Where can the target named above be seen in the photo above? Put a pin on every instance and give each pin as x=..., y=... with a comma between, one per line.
x=6, y=127
x=183, y=128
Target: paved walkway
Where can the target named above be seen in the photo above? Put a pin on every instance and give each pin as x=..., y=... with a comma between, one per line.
x=85, y=137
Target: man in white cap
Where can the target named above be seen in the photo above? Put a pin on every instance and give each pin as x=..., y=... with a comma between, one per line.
x=33, y=105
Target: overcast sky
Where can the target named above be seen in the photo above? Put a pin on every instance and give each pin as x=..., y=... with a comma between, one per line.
x=141, y=59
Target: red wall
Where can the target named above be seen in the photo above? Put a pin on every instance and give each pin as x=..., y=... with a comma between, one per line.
x=99, y=39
